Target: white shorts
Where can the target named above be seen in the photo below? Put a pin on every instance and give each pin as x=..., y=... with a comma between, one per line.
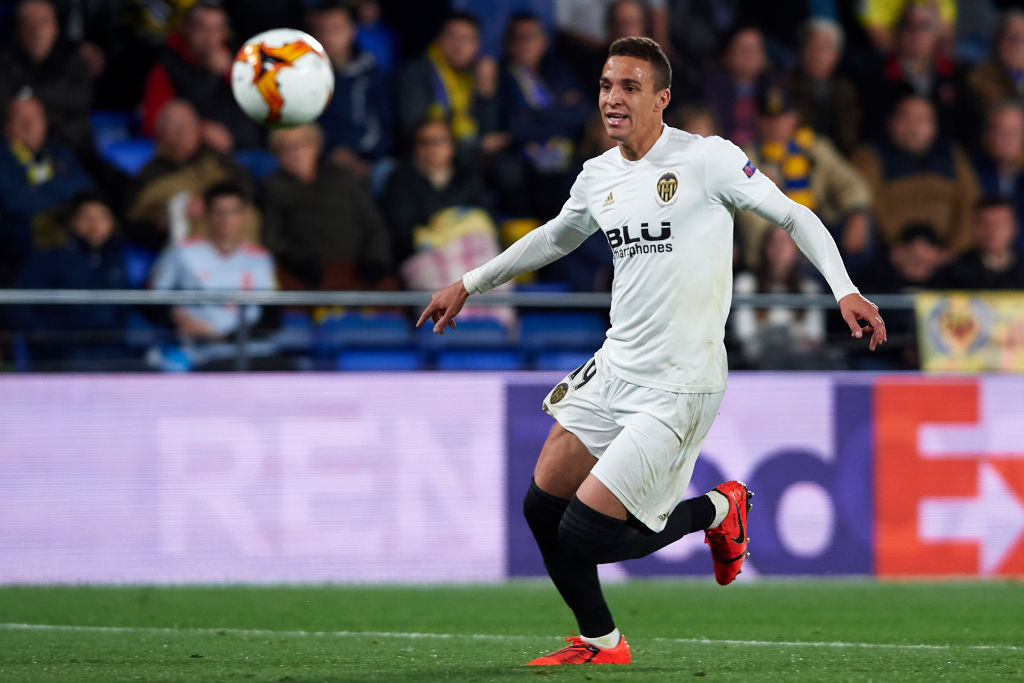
x=646, y=440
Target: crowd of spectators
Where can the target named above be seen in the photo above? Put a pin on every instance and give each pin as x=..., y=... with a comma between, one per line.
x=455, y=124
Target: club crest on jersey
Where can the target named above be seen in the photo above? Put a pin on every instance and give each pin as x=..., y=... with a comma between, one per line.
x=749, y=168
x=559, y=392
x=668, y=183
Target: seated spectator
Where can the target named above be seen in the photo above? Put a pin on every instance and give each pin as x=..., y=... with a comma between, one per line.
x=913, y=262
x=881, y=20
x=165, y=197
x=731, y=90
x=453, y=81
x=357, y=121
x=36, y=174
x=195, y=66
x=827, y=101
x=992, y=263
x=584, y=29
x=222, y=259
x=543, y=110
x=320, y=223
x=812, y=172
x=1000, y=78
x=917, y=65
x=79, y=337
x=52, y=69
x=429, y=183
x=916, y=175
x=1000, y=162
x=780, y=337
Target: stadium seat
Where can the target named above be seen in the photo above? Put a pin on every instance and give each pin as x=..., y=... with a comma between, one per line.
x=354, y=330
x=296, y=332
x=479, y=359
x=110, y=126
x=471, y=332
x=138, y=262
x=380, y=359
x=564, y=361
x=577, y=331
x=130, y=155
x=259, y=162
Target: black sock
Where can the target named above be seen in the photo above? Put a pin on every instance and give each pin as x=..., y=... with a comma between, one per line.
x=596, y=537
x=575, y=579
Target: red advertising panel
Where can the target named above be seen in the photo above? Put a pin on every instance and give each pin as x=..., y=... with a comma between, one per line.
x=949, y=476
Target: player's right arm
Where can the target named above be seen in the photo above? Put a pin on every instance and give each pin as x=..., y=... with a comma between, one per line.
x=536, y=249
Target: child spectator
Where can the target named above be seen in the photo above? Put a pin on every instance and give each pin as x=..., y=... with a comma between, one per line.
x=79, y=337
x=222, y=259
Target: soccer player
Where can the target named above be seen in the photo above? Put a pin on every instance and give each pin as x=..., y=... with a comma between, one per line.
x=630, y=422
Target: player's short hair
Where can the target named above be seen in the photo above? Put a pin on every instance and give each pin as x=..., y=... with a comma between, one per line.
x=648, y=50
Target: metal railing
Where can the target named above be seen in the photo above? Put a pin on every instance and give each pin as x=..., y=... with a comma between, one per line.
x=133, y=297
x=409, y=299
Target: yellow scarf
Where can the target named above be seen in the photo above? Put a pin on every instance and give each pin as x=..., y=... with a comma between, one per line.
x=38, y=169
x=453, y=94
x=794, y=165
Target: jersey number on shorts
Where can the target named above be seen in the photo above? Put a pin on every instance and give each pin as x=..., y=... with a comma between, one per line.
x=589, y=369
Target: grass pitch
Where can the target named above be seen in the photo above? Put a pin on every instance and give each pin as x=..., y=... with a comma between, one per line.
x=832, y=630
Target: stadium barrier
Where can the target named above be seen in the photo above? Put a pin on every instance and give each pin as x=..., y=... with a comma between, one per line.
x=418, y=477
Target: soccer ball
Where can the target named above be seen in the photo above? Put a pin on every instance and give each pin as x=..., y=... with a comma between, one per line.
x=282, y=78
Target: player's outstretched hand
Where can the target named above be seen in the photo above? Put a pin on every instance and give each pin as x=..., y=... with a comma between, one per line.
x=444, y=306
x=855, y=309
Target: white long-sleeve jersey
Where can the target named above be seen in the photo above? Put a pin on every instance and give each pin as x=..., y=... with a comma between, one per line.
x=668, y=218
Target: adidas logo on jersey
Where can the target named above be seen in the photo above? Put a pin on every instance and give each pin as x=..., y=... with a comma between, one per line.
x=609, y=200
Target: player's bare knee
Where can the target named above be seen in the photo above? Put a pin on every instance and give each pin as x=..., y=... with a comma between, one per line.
x=563, y=464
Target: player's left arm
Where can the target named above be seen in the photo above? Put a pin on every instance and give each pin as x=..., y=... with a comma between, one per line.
x=817, y=244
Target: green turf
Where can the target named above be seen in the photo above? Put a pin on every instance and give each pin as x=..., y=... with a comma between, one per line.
x=792, y=630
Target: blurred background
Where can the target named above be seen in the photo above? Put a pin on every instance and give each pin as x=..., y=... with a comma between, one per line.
x=149, y=233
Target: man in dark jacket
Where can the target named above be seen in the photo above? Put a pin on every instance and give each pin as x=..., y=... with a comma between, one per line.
x=319, y=222
x=992, y=263
x=194, y=67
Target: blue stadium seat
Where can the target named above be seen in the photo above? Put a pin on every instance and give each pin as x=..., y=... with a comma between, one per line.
x=259, y=162
x=138, y=262
x=577, y=331
x=379, y=359
x=130, y=155
x=363, y=331
x=110, y=126
x=479, y=359
x=564, y=361
x=543, y=287
x=470, y=333
x=296, y=332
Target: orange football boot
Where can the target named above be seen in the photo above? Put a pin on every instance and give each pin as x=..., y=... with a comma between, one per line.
x=729, y=539
x=581, y=652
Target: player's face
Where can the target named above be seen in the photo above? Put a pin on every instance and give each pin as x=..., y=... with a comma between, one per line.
x=630, y=104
